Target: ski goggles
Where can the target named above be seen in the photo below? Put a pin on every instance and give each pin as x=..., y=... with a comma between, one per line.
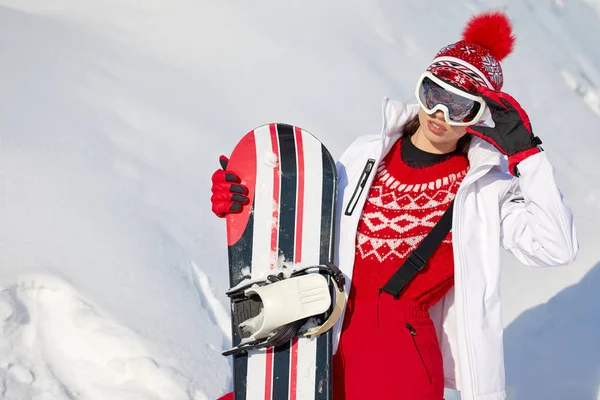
x=460, y=108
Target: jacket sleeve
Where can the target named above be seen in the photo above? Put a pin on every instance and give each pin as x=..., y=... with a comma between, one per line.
x=342, y=177
x=536, y=224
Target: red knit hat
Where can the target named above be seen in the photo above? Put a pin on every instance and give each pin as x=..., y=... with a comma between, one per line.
x=474, y=61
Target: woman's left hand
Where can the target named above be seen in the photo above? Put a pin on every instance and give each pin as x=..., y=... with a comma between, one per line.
x=512, y=133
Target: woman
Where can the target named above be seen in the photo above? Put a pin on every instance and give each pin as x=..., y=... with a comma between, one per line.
x=444, y=329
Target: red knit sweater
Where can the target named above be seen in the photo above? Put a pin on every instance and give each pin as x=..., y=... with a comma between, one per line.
x=403, y=205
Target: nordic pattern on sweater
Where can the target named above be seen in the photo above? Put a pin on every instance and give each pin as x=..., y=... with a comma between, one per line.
x=403, y=205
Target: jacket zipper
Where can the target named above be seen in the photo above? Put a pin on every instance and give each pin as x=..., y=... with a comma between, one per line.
x=413, y=333
x=360, y=186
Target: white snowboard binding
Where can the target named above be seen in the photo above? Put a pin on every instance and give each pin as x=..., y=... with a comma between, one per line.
x=271, y=312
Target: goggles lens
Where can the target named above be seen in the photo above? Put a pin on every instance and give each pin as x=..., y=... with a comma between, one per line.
x=461, y=109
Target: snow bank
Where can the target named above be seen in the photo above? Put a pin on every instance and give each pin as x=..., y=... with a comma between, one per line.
x=57, y=345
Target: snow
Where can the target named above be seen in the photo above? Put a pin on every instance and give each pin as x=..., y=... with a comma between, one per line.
x=43, y=320
x=252, y=325
x=595, y=4
x=281, y=267
x=270, y=160
x=312, y=323
x=112, y=119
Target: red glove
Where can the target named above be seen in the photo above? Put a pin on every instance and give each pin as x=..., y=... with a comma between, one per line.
x=228, y=194
x=512, y=133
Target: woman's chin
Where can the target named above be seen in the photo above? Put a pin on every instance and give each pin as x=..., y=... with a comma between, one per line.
x=435, y=138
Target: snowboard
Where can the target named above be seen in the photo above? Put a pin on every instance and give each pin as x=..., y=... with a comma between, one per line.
x=289, y=222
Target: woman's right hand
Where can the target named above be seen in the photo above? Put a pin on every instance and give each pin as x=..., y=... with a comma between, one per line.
x=228, y=194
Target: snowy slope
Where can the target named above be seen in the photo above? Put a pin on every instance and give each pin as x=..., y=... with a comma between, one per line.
x=112, y=117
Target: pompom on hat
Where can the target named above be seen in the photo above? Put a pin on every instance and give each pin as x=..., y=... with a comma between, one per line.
x=474, y=61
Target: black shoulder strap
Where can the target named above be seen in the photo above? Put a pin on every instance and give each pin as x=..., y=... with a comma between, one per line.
x=418, y=258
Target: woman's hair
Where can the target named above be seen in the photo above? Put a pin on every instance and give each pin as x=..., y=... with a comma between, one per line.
x=413, y=124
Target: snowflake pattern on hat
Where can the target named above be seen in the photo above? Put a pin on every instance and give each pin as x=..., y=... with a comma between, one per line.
x=448, y=48
x=467, y=49
x=492, y=67
x=467, y=65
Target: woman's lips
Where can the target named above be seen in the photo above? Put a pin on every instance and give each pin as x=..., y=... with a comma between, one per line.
x=436, y=128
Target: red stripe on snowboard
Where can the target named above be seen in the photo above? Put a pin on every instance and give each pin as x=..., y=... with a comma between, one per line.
x=269, y=374
x=294, y=369
x=300, y=195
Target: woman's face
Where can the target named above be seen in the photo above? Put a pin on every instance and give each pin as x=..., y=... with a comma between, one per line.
x=435, y=134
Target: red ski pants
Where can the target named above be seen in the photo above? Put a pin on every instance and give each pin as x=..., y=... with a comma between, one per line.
x=388, y=350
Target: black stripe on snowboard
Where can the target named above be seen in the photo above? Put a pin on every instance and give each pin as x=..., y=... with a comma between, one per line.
x=240, y=256
x=323, y=387
x=287, y=230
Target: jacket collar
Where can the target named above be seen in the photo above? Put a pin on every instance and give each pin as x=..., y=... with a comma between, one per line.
x=396, y=114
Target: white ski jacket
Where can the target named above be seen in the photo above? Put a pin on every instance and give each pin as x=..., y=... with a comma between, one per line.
x=525, y=215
